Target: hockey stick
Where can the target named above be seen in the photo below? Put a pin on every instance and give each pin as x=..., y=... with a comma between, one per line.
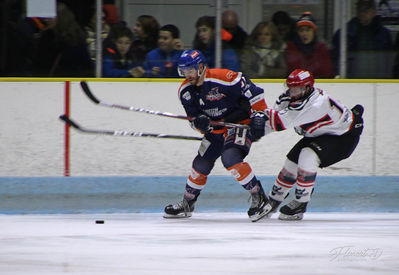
x=87, y=91
x=70, y=122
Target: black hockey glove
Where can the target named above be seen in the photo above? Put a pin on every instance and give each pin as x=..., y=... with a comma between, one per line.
x=203, y=123
x=285, y=97
x=257, y=124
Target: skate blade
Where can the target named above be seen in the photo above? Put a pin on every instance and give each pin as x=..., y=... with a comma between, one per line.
x=265, y=214
x=179, y=216
x=295, y=217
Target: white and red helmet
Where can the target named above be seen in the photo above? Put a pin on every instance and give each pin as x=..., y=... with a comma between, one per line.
x=300, y=78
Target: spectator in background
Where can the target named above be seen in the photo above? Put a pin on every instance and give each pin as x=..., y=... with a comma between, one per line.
x=368, y=44
x=19, y=39
x=263, y=55
x=307, y=52
x=146, y=32
x=395, y=67
x=238, y=35
x=119, y=59
x=90, y=30
x=205, y=42
x=62, y=48
x=285, y=24
x=162, y=61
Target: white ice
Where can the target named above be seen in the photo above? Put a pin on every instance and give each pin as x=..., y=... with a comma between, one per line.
x=207, y=243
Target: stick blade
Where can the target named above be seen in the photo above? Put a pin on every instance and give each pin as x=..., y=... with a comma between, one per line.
x=68, y=121
x=86, y=90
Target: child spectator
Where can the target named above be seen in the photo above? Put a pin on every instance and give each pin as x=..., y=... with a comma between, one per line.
x=119, y=60
x=263, y=55
x=205, y=42
x=162, y=61
x=307, y=52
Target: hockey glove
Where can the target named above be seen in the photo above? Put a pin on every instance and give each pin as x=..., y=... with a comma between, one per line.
x=257, y=124
x=203, y=123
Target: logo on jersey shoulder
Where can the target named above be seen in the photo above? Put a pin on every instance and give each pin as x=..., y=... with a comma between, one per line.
x=230, y=74
x=214, y=94
x=186, y=96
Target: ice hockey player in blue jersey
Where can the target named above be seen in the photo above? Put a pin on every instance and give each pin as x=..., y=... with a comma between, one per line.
x=331, y=133
x=219, y=95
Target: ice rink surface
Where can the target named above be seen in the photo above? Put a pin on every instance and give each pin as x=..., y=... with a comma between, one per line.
x=47, y=226
x=208, y=243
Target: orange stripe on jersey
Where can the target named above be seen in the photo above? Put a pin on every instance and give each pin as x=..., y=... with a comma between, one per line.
x=259, y=105
x=223, y=76
x=182, y=86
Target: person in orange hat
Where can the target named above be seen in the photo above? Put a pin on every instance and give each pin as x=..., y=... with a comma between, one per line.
x=205, y=42
x=307, y=52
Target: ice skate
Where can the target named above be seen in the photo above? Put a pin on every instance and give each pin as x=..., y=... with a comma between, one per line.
x=293, y=211
x=181, y=209
x=260, y=205
x=274, y=204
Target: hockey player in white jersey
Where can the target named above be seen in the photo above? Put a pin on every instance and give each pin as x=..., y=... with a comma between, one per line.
x=331, y=133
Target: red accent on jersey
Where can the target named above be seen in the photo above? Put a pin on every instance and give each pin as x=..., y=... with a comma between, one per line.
x=313, y=126
x=259, y=105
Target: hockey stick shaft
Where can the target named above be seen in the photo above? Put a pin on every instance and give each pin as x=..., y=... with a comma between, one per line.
x=90, y=95
x=72, y=123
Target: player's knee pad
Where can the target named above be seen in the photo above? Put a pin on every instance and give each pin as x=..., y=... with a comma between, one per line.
x=231, y=157
x=289, y=169
x=308, y=160
x=202, y=165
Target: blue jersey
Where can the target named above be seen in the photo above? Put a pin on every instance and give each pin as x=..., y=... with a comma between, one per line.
x=225, y=95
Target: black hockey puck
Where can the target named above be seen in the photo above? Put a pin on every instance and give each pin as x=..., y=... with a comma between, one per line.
x=99, y=221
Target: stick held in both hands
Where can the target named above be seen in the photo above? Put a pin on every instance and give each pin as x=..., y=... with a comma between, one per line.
x=90, y=95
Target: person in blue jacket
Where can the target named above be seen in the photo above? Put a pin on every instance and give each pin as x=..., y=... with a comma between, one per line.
x=119, y=59
x=162, y=61
x=205, y=42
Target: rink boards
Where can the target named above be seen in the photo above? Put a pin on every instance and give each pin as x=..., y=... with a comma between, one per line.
x=53, y=195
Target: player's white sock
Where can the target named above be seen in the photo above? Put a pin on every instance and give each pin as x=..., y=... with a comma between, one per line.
x=284, y=182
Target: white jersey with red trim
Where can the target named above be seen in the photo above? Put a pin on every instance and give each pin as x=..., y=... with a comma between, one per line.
x=317, y=115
